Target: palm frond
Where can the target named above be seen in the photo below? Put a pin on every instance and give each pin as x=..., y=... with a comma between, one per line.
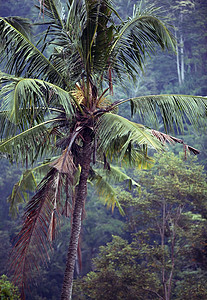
x=65, y=165
x=173, y=111
x=65, y=38
x=31, y=177
x=32, y=243
x=29, y=144
x=165, y=138
x=27, y=99
x=54, y=10
x=136, y=38
x=106, y=191
x=117, y=136
x=8, y=128
x=100, y=21
x=26, y=185
x=104, y=181
x=115, y=175
x=76, y=18
x=23, y=25
x=23, y=57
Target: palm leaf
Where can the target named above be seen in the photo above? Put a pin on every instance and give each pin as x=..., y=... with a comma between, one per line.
x=27, y=184
x=8, y=128
x=24, y=57
x=165, y=138
x=104, y=181
x=137, y=37
x=173, y=111
x=32, y=243
x=52, y=9
x=115, y=130
x=27, y=145
x=27, y=96
x=115, y=175
x=76, y=18
x=31, y=177
x=21, y=24
x=105, y=191
x=65, y=38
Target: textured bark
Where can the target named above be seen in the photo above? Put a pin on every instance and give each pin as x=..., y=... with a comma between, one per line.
x=81, y=194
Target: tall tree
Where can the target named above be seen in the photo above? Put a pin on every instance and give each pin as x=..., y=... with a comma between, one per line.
x=57, y=106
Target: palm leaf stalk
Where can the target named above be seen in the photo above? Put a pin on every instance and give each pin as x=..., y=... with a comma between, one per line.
x=60, y=105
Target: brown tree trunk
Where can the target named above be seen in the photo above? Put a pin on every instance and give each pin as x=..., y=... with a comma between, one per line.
x=81, y=194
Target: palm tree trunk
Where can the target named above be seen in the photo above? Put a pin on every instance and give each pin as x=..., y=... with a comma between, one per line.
x=81, y=194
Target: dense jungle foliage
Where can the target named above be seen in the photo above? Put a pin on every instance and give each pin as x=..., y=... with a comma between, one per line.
x=158, y=250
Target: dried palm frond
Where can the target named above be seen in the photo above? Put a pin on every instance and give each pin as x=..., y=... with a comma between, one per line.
x=64, y=164
x=33, y=243
x=166, y=138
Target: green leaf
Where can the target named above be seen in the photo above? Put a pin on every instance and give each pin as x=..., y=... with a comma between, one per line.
x=117, y=136
x=27, y=184
x=21, y=55
x=136, y=38
x=173, y=111
x=104, y=180
x=28, y=144
x=27, y=96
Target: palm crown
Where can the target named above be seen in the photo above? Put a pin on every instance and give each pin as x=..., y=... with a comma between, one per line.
x=56, y=104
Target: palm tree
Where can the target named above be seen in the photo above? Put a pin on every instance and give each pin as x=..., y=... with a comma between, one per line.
x=56, y=105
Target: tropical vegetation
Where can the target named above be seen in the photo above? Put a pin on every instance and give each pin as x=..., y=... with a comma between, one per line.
x=57, y=105
x=165, y=255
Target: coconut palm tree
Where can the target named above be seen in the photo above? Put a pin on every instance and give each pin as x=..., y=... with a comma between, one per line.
x=57, y=105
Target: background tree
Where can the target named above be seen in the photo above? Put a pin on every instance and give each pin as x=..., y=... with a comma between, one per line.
x=117, y=275
x=168, y=241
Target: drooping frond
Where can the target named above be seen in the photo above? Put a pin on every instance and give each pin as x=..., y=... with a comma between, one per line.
x=27, y=100
x=173, y=111
x=29, y=144
x=22, y=57
x=105, y=191
x=27, y=184
x=136, y=38
x=105, y=181
x=33, y=242
x=118, y=136
x=165, y=138
x=115, y=175
x=64, y=164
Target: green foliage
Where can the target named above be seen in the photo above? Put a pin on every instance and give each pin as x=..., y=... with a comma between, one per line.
x=117, y=275
x=167, y=253
x=192, y=285
x=8, y=290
